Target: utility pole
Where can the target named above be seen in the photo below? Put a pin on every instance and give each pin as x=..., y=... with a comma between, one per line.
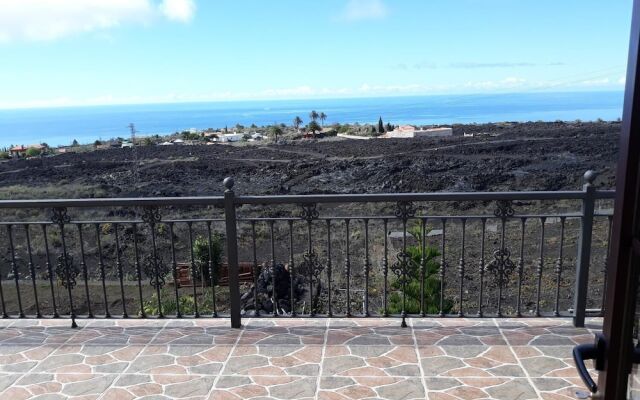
x=132, y=129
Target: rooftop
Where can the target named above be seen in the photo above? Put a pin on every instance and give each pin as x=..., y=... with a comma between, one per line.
x=291, y=358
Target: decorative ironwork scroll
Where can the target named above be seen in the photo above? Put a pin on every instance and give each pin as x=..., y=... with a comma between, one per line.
x=405, y=210
x=309, y=212
x=151, y=215
x=60, y=216
x=501, y=267
x=311, y=263
x=155, y=270
x=504, y=209
x=67, y=271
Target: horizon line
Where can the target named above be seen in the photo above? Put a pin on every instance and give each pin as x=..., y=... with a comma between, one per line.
x=279, y=99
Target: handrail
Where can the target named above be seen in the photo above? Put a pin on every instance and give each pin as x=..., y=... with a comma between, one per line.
x=304, y=199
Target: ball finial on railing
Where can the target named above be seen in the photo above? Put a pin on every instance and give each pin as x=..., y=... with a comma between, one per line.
x=228, y=183
x=590, y=176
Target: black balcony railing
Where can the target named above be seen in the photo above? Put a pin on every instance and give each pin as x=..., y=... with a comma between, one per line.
x=498, y=254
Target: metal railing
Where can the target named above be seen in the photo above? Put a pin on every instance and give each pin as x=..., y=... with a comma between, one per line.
x=163, y=257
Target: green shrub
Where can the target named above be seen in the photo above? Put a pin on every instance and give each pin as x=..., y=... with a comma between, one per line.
x=412, y=288
x=201, y=255
x=187, y=303
x=32, y=152
x=4, y=155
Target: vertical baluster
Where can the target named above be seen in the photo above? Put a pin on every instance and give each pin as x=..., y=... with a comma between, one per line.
x=461, y=267
x=367, y=267
x=310, y=265
x=255, y=269
x=274, y=297
x=385, y=268
x=193, y=270
x=558, y=271
x=85, y=272
x=502, y=261
x=138, y=269
x=120, y=271
x=330, y=311
x=107, y=314
x=49, y=273
x=523, y=222
x=482, y=267
x=62, y=220
x=292, y=297
x=423, y=263
x=174, y=267
x=32, y=272
x=154, y=253
x=443, y=266
x=14, y=269
x=540, y=266
x=347, y=268
x=606, y=258
x=402, y=273
x=211, y=277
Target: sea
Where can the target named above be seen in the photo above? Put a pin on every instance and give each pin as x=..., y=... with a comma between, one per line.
x=60, y=126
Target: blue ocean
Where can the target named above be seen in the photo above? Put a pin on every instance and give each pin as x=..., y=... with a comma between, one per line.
x=60, y=126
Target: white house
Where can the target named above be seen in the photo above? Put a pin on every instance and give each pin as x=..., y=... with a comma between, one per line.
x=410, y=131
x=230, y=137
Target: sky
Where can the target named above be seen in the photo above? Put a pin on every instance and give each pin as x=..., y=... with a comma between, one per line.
x=93, y=52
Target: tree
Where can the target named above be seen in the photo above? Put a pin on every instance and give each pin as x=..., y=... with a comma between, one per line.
x=97, y=143
x=314, y=115
x=389, y=127
x=275, y=130
x=148, y=141
x=75, y=143
x=32, y=152
x=313, y=127
x=297, y=121
x=202, y=248
x=380, y=126
x=322, y=117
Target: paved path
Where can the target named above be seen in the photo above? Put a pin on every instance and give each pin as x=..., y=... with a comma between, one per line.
x=290, y=359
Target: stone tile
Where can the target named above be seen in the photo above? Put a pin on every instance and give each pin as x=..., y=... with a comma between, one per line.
x=453, y=358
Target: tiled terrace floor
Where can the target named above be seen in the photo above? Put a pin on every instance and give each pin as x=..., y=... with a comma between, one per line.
x=290, y=358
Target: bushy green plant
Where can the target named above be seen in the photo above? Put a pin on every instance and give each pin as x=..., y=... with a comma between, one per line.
x=201, y=255
x=4, y=155
x=412, y=288
x=187, y=303
x=32, y=152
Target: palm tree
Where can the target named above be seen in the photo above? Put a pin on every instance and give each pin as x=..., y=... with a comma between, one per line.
x=297, y=121
x=313, y=127
x=313, y=115
x=323, y=116
x=275, y=131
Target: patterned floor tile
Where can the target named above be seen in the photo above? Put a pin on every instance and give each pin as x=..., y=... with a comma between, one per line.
x=371, y=387
x=265, y=387
x=291, y=358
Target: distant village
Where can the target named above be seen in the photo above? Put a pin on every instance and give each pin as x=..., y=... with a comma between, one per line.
x=239, y=134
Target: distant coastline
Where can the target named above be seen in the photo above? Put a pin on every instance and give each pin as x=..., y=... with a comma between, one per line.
x=60, y=126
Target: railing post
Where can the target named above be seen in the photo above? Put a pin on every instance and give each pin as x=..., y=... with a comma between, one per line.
x=584, y=250
x=232, y=252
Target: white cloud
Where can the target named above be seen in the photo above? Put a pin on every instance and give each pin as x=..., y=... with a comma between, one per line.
x=596, y=82
x=178, y=10
x=359, y=10
x=505, y=85
x=622, y=80
x=41, y=20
